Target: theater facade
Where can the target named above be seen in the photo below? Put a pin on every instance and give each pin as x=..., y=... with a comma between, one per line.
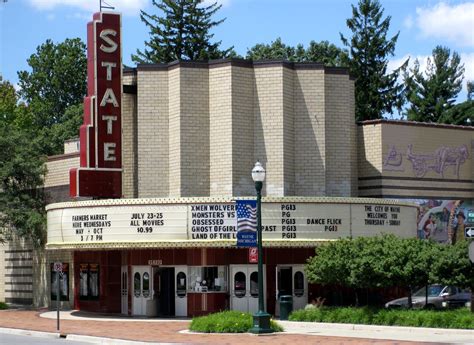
x=143, y=208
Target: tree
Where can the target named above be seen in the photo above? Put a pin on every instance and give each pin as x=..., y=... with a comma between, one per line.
x=432, y=92
x=372, y=262
x=376, y=91
x=8, y=101
x=181, y=32
x=459, y=114
x=57, y=80
x=470, y=89
x=323, y=52
x=453, y=267
x=22, y=171
x=52, y=139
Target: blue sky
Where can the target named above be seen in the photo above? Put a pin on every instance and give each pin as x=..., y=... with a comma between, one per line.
x=423, y=24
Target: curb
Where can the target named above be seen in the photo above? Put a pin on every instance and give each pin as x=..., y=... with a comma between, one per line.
x=287, y=325
x=111, y=341
x=76, y=337
x=38, y=334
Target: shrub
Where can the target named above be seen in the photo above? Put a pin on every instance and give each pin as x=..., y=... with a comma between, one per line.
x=231, y=321
x=456, y=318
x=3, y=306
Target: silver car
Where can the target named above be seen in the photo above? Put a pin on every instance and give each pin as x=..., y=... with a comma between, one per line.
x=439, y=297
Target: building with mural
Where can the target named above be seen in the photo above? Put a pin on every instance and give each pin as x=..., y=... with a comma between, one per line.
x=144, y=209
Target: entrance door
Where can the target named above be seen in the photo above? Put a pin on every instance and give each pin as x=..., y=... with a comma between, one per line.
x=124, y=290
x=164, y=285
x=291, y=281
x=181, y=299
x=141, y=289
x=244, y=287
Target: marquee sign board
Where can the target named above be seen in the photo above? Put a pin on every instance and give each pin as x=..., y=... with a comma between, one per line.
x=100, y=171
x=218, y=222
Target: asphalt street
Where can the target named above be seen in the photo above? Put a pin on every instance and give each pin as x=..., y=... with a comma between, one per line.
x=13, y=339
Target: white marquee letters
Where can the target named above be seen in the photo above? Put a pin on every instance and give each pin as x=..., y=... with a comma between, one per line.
x=109, y=97
x=104, y=34
x=109, y=119
x=109, y=66
x=109, y=151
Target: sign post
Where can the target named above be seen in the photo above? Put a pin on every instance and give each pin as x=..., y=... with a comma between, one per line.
x=471, y=251
x=58, y=268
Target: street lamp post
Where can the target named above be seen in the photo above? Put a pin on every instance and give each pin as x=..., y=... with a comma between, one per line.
x=261, y=319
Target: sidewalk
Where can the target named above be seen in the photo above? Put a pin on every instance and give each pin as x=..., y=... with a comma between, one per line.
x=80, y=326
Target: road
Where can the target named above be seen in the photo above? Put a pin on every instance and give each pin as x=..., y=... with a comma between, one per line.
x=11, y=339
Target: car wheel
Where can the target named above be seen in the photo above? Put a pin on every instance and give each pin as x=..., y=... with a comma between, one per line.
x=430, y=307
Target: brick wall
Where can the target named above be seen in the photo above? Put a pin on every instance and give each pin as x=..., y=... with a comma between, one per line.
x=16, y=271
x=340, y=127
x=201, y=127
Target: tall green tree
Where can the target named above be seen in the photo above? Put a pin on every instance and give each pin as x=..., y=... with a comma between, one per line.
x=323, y=52
x=22, y=171
x=432, y=92
x=180, y=31
x=57, y=80
x=376, y=91
x=8, y=100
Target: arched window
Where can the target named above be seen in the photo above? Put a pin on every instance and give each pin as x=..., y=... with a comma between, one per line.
x=254, y=284
x=146, y=285
x=299, y=283
x=137, y=284
x=181, y=284
x=239, y=284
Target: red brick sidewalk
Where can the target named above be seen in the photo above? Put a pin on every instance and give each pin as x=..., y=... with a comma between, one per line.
x=165, y=332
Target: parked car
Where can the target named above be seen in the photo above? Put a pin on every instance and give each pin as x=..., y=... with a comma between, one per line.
x=439, y=297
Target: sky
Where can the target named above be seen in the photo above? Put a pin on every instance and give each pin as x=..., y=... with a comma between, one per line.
x=423, y=24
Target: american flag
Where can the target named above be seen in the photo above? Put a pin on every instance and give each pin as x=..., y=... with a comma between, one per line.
x=246, y=215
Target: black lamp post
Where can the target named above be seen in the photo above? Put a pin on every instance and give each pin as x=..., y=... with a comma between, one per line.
x=261, y=319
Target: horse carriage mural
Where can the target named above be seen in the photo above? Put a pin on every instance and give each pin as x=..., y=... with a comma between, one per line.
x=439, y=161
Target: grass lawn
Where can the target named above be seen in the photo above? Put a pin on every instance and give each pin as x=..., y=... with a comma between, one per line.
x=456, y=318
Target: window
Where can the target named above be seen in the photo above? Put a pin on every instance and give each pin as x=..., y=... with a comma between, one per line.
x=208, y=279
x=137, y=284
x=63, y=283
x=146, y=285
x=299, y=284
x=239, y=284
x=254, y=284
x=89, y=281
x=181, y=284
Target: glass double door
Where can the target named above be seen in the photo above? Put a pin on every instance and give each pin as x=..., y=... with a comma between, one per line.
x=158, y=291
x=141, y=290
x=244, y=287
x=291, y=281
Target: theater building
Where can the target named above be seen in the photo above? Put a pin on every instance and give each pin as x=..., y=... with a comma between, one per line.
x=164, y=163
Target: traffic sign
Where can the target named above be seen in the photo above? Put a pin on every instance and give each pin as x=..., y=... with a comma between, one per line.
x=469, y=232
x=471, y=251
x=58, y=267
x=253, y=255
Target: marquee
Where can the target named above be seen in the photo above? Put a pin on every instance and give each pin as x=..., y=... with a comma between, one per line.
x=213, y=221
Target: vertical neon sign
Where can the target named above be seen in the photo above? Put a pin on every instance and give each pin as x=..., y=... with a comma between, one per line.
x=100, y=171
